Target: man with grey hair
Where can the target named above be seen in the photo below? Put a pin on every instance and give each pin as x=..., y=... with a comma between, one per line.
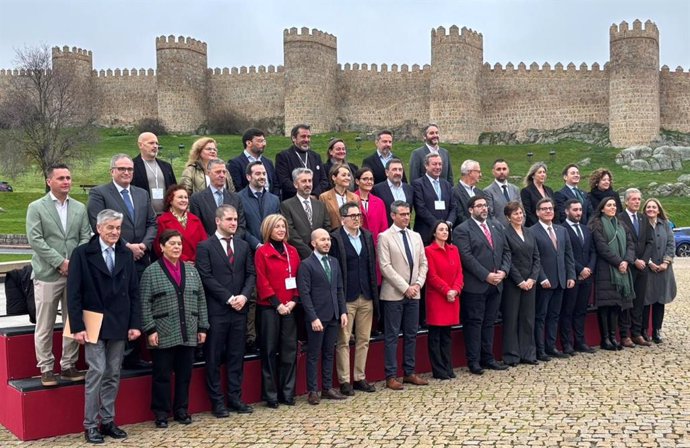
x=205, y=203
x=103, y=285
x=150, y=173
x=431, y=139
x=303, y=213
x=470, y=173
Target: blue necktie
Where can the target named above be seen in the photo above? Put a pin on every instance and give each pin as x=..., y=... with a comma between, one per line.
x=636, y=224
x=109, y=261
x=219, y=198
x=128, y=203
x=437, y=188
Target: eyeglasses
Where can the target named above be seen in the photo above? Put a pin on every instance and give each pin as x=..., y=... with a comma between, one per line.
x=354, y=216
x=366, y=179
x=546, y=209
x=123, y=169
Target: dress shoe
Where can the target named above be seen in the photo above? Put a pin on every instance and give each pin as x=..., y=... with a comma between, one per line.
x=363, y=386
x=475, y=369
x=250, y=348
x=161, y=423
x=584, y=348
x=532, y=362
x=543, y=357
x=111, y=429
x=136, y=364
x=92, y=435
x=511, y=363
x=647, y=337
x=394, y=384
x=313, y=398
x=639, y=340
x=347, y=390
x=493, y=365
x=607, y=345
x=627, y=343
x=452, y=374
x=183, y=418
x=240, y=407
x=220, y=411
x=288, y=401
x=415, y=379
x=332, y=394
x=569, y=351
x=270, y=404
x=441, y=377
x=656, y=337
x=557, y=354
x=616, y=344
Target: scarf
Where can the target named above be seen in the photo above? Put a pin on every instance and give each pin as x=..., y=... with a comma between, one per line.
x=615, y=235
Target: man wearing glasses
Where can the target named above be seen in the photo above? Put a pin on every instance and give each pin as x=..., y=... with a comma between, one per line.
x=466, y=189
x=353, y=247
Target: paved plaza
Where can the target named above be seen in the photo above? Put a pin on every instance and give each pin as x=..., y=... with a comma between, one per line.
x=635, y=398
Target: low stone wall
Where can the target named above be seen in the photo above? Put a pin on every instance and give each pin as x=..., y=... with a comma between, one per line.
x=9, y=239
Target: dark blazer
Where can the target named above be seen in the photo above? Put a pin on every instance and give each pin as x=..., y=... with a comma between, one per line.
x=254, y=213
x=237, y=168
x=374, y=162
x=322, y=299
x=530, y=196
x=478, y=257
x=525, y=261
x=142, y=229
x=203, y=205
x=562, y=196
x=90, y=286
x=298, y=223
x=418, y=170
x=644, y=243
x=426, y=214
x=383, y=191
x=462, y=199
x=222, y=280
x=584, y=253
x=288, y=160
x=141, y=180
x=556, y=266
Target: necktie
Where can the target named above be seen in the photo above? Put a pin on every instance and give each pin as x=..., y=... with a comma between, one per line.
x=219, y=198
x=437, y=189
x=578, y=232
x=636, y=224
x=487, y=234
x=259, y=195
x=307, y=208
x=553, y=237
x=505, y=192
x=578, y=195
x=109, y=261
x=231, y=253
x=408, y=253
x=326, y=267
x=128, y=203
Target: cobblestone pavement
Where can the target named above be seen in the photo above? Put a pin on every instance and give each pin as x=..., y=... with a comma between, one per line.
x=635, y=398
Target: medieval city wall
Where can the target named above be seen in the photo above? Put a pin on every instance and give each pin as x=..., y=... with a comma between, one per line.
x=124, y=97
x=675, y=99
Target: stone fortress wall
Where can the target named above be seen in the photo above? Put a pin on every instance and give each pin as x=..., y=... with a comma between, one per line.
x=458, y=90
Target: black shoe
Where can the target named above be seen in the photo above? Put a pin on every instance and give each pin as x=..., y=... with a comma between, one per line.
x=616, y=344
x=240, y=407
x=656, y=337
x=543, y=357
x=220, y=411
x=452, y=374
x=272, y=404
x=92, y=435
x=183, y=418
x=475, y=369
x=493, y=365
x=346, y=389
x=511, y=363
x=250, y=348
x=111, y=429
x=363, y=386
x=569, y=351
x=532, y=362
x=607, y=345
x=136, y=364
x=161, y=423
x=440, y=376
x=584, y=348
x=557, y=354
x=288, y=401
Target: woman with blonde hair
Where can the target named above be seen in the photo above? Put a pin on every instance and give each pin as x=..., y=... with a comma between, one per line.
x=535, y=190
x=194, y=177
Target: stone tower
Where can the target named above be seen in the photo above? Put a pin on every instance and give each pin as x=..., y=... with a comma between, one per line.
x=455, y=101
x=181, y=78
x=77, y=65
x=311, y=64
x=634, y=116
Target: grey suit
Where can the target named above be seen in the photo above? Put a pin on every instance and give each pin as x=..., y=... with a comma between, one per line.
x=298, y=224
x=462, y=198
x=497, y=200
x=417, y=164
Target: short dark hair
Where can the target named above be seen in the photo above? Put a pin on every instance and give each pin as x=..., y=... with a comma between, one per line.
x=55, y=166
x=475, y=198
x=544, y=201
x=167, y=234
x=250, y=133
x=438, y=223
x=511, y=207
x=395, y=205
x=347, y=206
x=568, y=166
x=361, y=171
x=384, y=132
x=170, y=194
x=250, y=165
x=493, y=165
x=570, y=202
x=295, y=130
x=394, y=160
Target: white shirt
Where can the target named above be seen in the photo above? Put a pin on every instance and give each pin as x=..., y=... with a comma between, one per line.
x=61, y=209
x=397, y=192
x=104, y=247
x=468, y=189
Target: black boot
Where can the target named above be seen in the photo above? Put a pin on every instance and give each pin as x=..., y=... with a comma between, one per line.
x=613, y=327
x=656, y=336
x=602, y=317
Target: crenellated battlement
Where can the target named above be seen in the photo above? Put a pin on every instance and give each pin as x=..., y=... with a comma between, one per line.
x=679, y=71
x=306, y=35
x=456, y=35
x=623, y=31
x=73, y=53
x=545, y=68
x=383, y=68
x=123, y=73
x=252, y=69
x=180, y=43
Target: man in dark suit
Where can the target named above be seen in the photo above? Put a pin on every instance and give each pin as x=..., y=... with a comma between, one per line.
x=103, y=279
x=431, y=140
x=633, y=326
x=500, y=191
x=433, y=198
x=466, y=189
x=226, y=267
x=205, y=203
x=485, y=264
x=303, y=213
x=378, y=161
x=254, y=141
x=575, y=299
x=300, y=155
x=557, y=274
x=152, y=174
x=393, y=188
x=320, y=283
x=571, y=176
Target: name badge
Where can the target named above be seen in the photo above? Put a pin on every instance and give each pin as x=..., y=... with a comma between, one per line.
x=440, y=205
x=290, y=283
x=156, y=193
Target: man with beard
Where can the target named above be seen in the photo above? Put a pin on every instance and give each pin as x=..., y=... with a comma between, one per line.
x=393, y=187
x=300, y=155
x=500, y=192
x=379, y=160
x=431, y=139
x=150, y=173
x=254, y=141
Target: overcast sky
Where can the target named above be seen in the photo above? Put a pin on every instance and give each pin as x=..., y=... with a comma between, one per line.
x=122, y=33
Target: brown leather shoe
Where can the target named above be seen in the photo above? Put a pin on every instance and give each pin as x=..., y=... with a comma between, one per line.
x=627, y=343
x=415, y=379
x=313, y=398
x=640, y=340
x=394, y=384
x=332, y=394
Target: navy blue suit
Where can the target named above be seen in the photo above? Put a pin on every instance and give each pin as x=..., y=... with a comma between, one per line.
x=383, y=191
x=237, y=168
x=255, y=211
x=425, y=199
x=562, y=196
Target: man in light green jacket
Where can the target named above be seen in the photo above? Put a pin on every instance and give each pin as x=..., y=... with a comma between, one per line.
x=55, y=225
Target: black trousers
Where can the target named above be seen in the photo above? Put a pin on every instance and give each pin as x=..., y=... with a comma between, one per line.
x=518, y=323
x=440, y=351
x=479, y=312
x=225, y=343
x=321, y=343
x=631, y=319
x=178, y=359
x=548, y=311
x=657, y=310
x=573, y=314
x=278, y=349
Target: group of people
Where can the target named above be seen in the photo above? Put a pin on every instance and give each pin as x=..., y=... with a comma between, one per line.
x=250, y=254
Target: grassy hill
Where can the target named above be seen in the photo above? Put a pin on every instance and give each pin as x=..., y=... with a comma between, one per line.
x=29, y=186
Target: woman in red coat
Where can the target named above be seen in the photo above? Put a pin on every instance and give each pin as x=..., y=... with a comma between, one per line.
x=178, y=218
x=443, y=285
x=374, y=213
x=276, y=298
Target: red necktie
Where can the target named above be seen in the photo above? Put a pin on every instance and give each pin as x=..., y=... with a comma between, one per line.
x=485, y=229
x=231, y=253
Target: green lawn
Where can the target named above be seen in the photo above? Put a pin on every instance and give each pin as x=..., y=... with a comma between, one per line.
x=29, y=186
x=14, y=257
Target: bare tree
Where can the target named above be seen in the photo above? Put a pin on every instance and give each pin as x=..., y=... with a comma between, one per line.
x=47, y=114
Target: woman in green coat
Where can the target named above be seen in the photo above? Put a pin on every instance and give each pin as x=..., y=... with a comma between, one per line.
x=175, y=320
